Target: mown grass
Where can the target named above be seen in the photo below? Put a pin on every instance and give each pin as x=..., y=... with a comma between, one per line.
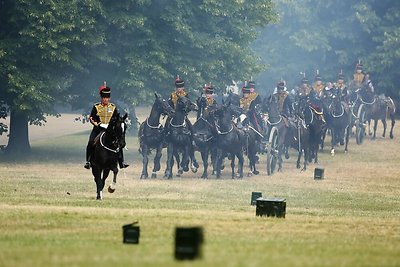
x=48, y=215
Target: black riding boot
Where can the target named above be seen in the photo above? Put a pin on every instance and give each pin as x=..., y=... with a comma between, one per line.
x=121, y=162
x=89, y=152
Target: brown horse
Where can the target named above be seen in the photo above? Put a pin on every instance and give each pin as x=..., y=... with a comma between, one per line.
x=380, y=109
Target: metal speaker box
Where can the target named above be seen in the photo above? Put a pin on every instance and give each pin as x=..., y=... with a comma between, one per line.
x=274, y=207
x=318, y=173
x=188, y=242
x=254, y=196
x=131, y=233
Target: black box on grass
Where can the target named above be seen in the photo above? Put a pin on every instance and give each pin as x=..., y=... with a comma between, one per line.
x=188, y=242
x=318, y=173
x=130, y=233
x=275, y=207
x=254, y=196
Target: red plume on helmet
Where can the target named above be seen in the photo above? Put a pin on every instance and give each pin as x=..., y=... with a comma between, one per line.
x=104, y=90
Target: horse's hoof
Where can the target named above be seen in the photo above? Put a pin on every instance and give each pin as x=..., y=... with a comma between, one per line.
x=195, y=164
x=345, y=151
x=186, y=169
x=222, y=167
x=298, y=166
x=99, y=196
x=193, y=168
x=110, y=189
x=391, y=136
x=143, y=176
x=204, y=176
x=256, y=172
x=249, y=174
x=154, y=175
x=287, y=156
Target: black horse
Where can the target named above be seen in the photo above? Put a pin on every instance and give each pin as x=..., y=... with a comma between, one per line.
x=106, y=152
x=280, y=123
x=339, y=121
x=152, y=135
x=179, y=138
x=315, y=121
x=230, y=140
x=252, y=136
x=203, y=133
x=380, y=109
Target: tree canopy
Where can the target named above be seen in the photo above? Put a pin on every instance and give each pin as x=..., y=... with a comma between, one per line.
x=61, y=51
x=331, y=36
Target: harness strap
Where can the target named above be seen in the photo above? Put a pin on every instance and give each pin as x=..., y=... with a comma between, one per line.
x=107, y=148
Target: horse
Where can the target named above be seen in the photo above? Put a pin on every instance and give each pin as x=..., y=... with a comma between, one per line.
x=230, y=139
x=315, y=121
x=152, y=135
x=253, y=136
x=179, y=138
x=339, y=116
x=298, y=134
x=106, y=153
x=281, y=123
x=380, y=109
x=204, y=132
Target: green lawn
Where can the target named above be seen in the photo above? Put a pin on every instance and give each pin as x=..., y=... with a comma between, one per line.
x=49, y=215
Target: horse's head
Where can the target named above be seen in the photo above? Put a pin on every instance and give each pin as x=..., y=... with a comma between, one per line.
x=163, y=106
x=185, y=105
x=232, y=99
x=117, y=127
x=232, y=88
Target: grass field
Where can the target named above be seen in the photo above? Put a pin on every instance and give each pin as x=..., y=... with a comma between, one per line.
x=49, y=215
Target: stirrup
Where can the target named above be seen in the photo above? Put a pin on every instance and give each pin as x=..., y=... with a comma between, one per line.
x=123, y=165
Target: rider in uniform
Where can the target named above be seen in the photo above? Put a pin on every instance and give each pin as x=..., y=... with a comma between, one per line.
x=208, y=94
x=250, y=103
x=100, y=116
x=281, y=96
x=304, y=89
x=358, y=76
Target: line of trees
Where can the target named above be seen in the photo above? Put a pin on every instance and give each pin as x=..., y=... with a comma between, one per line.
x=59, y=52
x=54, y=52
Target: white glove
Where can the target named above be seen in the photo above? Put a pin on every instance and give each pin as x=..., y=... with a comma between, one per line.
x=103, y=125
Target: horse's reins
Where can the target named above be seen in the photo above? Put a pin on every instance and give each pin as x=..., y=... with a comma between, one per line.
x=153, y=127
x=333, y=112
x=177, y=126
x=107, y=148
x=223, y=133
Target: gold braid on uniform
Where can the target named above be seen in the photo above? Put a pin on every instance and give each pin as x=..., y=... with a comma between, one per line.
x=176, y=95
x=358, y=78
x=281, y=99
x=105, y=112
x=210, y=101
x=318, y=88
x=245, y=103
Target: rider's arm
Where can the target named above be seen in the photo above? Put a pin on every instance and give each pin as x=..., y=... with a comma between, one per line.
x=94, y=118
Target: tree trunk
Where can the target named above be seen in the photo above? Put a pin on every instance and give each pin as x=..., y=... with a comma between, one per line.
x=19, y=137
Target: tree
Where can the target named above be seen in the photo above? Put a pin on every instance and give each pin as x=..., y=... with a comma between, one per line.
x=41, y=43
x=330, y=36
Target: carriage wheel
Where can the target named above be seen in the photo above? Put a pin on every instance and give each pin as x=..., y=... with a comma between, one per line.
x=272, y=152
x=360, y=127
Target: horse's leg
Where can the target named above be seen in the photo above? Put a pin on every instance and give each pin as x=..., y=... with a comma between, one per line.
x=157, y=159
x=393, y=122
x=144, y=151
x=384, y=127
x=218, y=163
x=347, y=138
x=233, y=166
x=280, y=160
x=375, y=127
x=186, y=158
x=204, y=156
x=240, y=163
x=97, y=179
x=299, y=158
x=194, y=165
x=111, y=187
x=306, y=152
x=369, y=127
x=170, y=158
x=323, y=139
x=333, y=136
x=316, y=152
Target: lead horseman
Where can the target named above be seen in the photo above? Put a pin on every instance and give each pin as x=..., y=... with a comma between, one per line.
x=100, y=117
x=250, y=103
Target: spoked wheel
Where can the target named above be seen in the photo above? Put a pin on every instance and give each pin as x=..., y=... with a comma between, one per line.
x=360, y=126
x=272, y=152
